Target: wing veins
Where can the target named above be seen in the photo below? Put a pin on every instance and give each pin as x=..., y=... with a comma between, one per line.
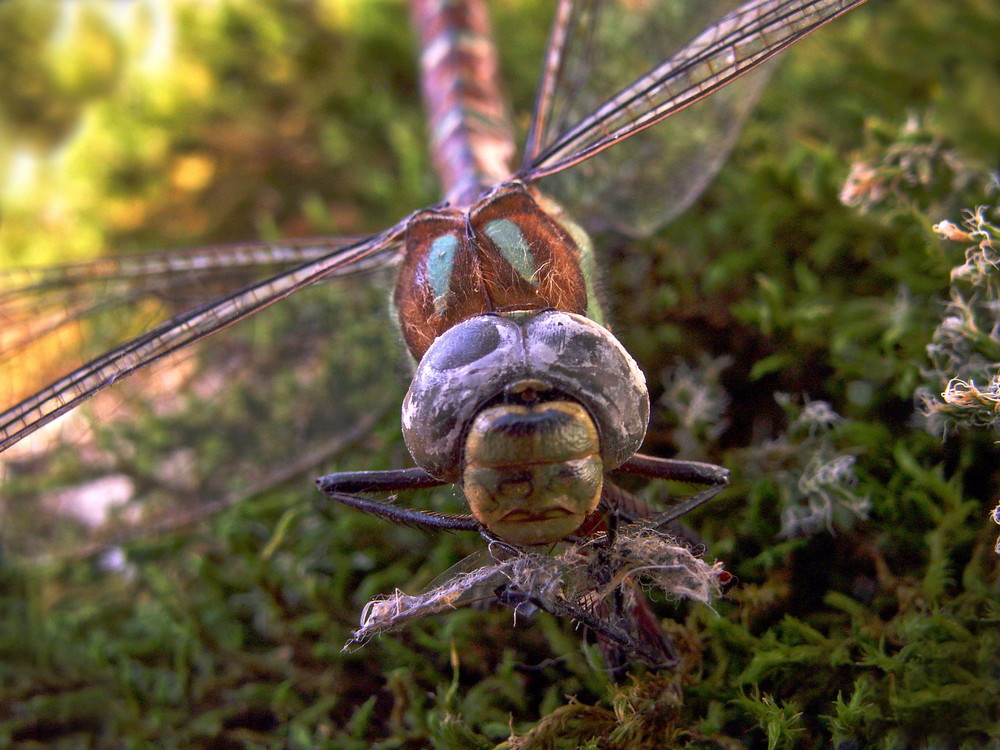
x=748, y=36
x=184, y=329
x=156, y=275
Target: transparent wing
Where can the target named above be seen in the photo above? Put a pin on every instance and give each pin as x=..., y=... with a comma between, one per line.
x=182, y=330
x=36, y=303
x=172, y=123
x=206, y=426
x=615, y=68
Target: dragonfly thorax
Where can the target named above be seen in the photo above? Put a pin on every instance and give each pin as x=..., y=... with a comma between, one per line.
x=531, y=407
x=506, y=253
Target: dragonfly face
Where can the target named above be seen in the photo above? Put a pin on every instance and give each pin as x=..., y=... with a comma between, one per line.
x=518, y=394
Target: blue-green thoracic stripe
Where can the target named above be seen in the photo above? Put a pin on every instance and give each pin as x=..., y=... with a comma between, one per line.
x=440, y=265
x=510, y=239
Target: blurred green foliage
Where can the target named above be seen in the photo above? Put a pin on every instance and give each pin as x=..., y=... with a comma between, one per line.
x=866, y=606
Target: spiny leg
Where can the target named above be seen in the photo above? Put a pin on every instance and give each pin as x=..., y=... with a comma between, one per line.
x=345, y=487
x=693, y=472
x=630, y=608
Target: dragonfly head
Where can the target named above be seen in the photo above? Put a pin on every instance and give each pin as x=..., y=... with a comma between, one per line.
x=527, y=410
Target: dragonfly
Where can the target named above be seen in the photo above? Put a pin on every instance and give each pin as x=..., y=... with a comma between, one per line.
x=520, y=394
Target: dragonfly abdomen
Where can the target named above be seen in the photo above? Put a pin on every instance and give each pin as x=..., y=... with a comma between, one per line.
x=472, y=142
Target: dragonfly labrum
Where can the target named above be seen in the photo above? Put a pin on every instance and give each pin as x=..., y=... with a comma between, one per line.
x=521, y=394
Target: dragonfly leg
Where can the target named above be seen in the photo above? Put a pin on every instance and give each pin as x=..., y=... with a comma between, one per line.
x=346, y=488
x=626, y=628
x=626, y=625
x=646, y=637
x=695, y=472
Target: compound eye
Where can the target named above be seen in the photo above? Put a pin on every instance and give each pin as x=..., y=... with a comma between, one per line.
x=519, y=357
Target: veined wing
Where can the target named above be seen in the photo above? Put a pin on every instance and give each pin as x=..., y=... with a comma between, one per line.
x=260, y=403
x=734, y=45
x=182, y=330
x=599, y=48
x=160, y=271
x=38, y=302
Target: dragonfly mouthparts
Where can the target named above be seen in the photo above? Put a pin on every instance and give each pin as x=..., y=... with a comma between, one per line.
x=527, y=516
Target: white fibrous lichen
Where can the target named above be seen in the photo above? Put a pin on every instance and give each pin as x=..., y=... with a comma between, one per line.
x=695, y=398
x=996, y=519
x=915, y=166
x=813, y=473
x=827, y=489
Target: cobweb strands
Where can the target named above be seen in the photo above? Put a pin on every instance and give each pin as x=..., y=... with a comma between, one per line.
x=574, y=583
